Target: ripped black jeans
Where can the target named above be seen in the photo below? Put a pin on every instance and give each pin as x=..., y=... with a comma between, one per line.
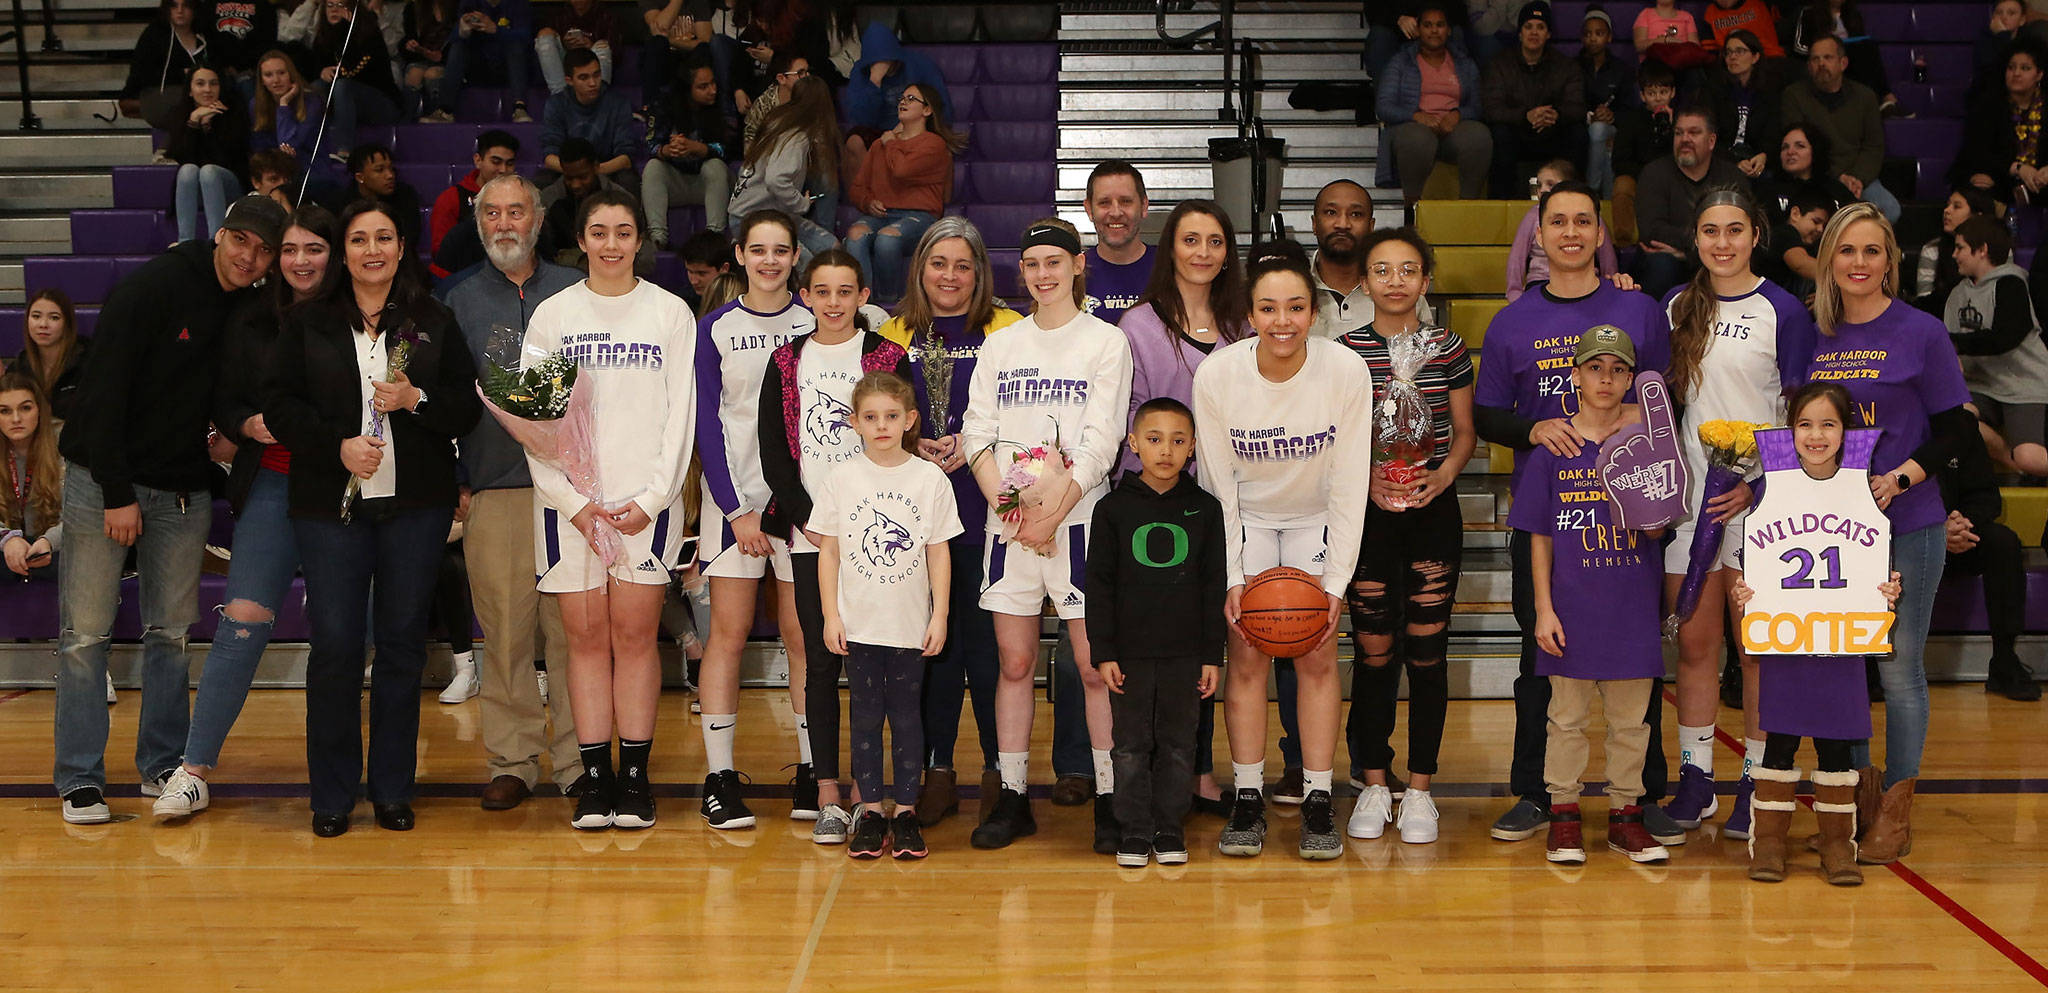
x=1401, y=597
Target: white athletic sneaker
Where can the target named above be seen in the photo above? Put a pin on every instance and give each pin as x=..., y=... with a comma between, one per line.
x=832, y=825
x=1370, y=815
x=463, y=684
x=110, y=690
x=155, y=787
x=1417, y=822
x=86, y=805
x=184, y=795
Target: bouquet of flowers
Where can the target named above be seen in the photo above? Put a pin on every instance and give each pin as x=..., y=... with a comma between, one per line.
x=1032, y=484
x=1404, y=429
x=402, y=342
x=1731, y=446
x=534, y=396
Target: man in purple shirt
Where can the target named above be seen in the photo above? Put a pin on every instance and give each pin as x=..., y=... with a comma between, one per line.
x=1119, y=265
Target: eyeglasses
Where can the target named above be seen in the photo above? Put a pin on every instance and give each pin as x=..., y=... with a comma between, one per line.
x=1737, y=50
x=1385, y=273
x=793, y=74
x=913, y=98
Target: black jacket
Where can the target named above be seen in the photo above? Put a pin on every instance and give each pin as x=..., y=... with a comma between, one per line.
x=1166, y=603
x=1746, y=117
x=1968, y=485
x=64, y=390
x=222, y=141
x=1989, y=145
x=245, y=361
x=141, y=413
x=404, y=202
x=160, y=63
x=780, y=423
x=312, y=401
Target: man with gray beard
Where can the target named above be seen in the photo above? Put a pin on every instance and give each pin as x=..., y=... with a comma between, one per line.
x=1668, y=194
x=495, y=299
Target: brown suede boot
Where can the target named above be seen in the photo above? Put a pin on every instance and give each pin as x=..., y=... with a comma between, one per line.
x=1891, y=838
x=940, y=799
x=1834, y=803
x=1869, y=790
x=991, y=789
x=1770, y=811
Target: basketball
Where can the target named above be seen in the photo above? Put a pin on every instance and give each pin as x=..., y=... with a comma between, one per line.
x=1283, y=611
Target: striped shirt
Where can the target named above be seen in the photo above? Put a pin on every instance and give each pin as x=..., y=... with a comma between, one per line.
x=1450, y=370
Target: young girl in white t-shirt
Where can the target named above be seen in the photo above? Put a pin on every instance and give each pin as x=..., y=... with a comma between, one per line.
x=881, y=520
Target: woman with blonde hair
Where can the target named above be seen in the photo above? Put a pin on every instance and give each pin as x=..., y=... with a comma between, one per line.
x=32, y=503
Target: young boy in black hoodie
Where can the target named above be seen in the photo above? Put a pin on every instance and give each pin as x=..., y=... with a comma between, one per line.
x=1156, y=582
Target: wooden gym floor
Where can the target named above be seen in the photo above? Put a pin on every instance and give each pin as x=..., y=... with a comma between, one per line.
x=244, y=897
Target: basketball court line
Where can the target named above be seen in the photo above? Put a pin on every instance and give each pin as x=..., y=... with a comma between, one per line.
x=4, y=697
x=1961, y=914
x=803, y=961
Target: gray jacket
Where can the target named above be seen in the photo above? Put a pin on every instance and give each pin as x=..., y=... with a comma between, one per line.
x=482, y=298
x=1998, y=337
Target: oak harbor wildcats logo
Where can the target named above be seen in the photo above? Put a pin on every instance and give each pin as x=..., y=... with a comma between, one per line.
x=826, y=418
x=883, y=539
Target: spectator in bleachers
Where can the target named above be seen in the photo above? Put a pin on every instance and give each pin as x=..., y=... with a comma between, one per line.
x=1803, y=155
x=1978, y=545
x=1642, y=134
x=884, y=71
x=768, y=28
x=1848, y=112
x=170, y=48
x=429, y=24
x=788, y=68
x=1535, y=102
x=1397, y=25
x=706, y=255
x=680, y=31
x=798, y=148
x=1990, y=317
x=238, y=32
x=689, y=143
x=1120, y=264
x=271, y=174
x=1342, y=219
x=54, y=353
x=397, y=440
x=594, y=112
x=356, y=71
x=452, y=241
x=1428, y=95
x=1743, y=92
x=1668, y=196
x=1724, y=18
x=1988, y=57
x=1935, y=273
x=1663, y=32
x=136, y=476
x=391, y=28
x=285, y=114
x=1791, y=255
x=1527, y=265
x=2003, y=151
x=1842, y=21
x=576, y=25
x=902, y=188
x=265, y=551
x=31, y=505
x=372, y=176
x=1610, y=86
x=840, y=21
x=211, y=147
x=493, y=38
x=1489, y=28
x=578, y=181
x=519, y=624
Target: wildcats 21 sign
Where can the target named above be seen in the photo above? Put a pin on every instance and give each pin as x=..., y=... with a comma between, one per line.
x=1815, y=551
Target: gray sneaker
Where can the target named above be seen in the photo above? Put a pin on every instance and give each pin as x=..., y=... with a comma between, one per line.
x=1319, y=840
x=1521, y=821
x=1661, y=826
x=1246, y=832
x=832, y=825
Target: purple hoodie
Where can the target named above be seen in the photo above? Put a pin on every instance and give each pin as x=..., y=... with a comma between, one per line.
x=1160, y=366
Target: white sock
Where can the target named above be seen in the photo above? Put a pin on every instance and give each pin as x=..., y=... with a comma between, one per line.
x=803, y=739
x=1312, y=781
x=1105, y=774
x=1249, y=777
x=1696, y=747
x=1011, y=765
x=1752, y=755
x=718, y=735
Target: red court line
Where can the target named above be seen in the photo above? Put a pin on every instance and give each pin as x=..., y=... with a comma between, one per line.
x=4, y=697
x=2004, y=946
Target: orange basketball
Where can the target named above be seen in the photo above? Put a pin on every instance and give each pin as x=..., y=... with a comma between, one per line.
x=1283, y=611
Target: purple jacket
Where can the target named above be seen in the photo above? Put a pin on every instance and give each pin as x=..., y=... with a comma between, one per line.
x=1160, y=366
x=1527, y=265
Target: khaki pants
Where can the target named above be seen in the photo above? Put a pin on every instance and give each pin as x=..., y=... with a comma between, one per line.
x=1623, y=207
x=498, y=548
x=1623, y=702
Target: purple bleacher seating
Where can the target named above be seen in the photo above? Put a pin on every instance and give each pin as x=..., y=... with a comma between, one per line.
x=119, y=231
x=1009, y=284
x=1948, y=65
x=1932, y=179
x=1029, y=102
x=683, y=222
x=1014, y=142
x=1933, y=136
x=427, y=179
x=1568, y=15
x=1930, y=99
x=956, y=62
x=85, y=279
x=960, y=104
x=1003, y=224
x=125, y=264
x=669, y=273
x=1020, y=22
x=941, y=23
x=964, y=190
x=442, y=144
x=1013, y=182
x=1941, y=22
x=1020, y=63
x=28, y=609
x=145, y=186
x=1889, y=22
x=480, y=103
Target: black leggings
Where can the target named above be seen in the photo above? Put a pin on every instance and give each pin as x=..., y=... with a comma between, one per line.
x=821, y=669
x=1832, y=754
x=886, y=683
x=1406, y=581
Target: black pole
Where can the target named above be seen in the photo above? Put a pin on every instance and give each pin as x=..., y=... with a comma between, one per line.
x=1224, y=24
x=29, y=120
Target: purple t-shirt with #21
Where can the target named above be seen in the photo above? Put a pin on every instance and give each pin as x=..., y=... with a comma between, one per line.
x=1900, y=369
x=1606, y=581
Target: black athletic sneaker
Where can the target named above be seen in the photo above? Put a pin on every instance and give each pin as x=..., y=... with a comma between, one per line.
x=870, y=835
x=1246, y=832
x=1319, y=841
x=1170, y=848
x=906, y=837
x=633, y=808
x=1107, y=833
x=1133, y=853
x=1011, y=820
x=593, y=806
x=722, y=807
x=803, y=794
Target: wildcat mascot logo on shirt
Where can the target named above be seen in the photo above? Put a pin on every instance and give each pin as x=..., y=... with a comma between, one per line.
x=883, y=539
x=825, y=419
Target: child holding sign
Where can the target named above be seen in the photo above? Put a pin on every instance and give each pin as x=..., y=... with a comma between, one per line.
x=1597, y=586
x=1822, y=697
